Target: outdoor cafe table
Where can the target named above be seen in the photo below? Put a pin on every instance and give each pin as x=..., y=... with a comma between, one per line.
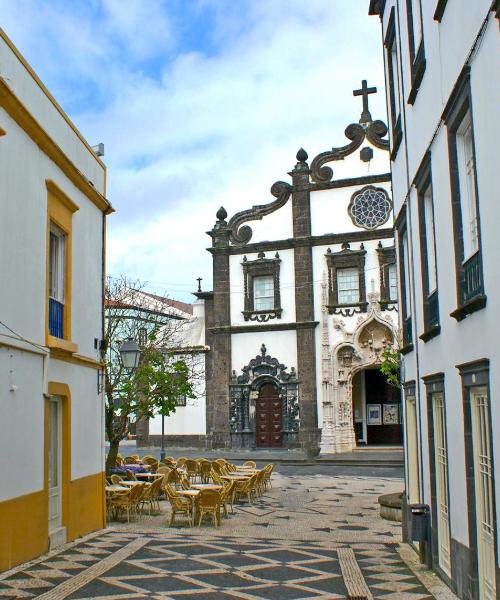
x=116, y=488
x=206, y=486
x=132, y=483
x=148, y=475
x=236, y=477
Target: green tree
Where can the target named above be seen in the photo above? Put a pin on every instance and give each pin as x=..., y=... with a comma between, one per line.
x=390, y=366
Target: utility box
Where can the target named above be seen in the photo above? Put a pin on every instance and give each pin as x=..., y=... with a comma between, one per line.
x=420, y=515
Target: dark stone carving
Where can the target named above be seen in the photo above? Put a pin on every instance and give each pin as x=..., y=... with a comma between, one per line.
x=257, y=268
x=241, y=234
x=243, y=389
x=366, y=154
x=374, y=132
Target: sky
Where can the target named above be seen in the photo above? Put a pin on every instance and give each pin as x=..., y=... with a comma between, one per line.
x=199, y=103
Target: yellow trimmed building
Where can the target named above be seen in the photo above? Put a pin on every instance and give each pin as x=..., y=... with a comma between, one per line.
x=52, y=242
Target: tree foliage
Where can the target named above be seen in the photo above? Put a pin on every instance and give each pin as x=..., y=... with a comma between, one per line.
x=161, y=377
x=390, y=366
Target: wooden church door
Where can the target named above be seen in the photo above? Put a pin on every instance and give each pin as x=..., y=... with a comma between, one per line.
x=269, y=414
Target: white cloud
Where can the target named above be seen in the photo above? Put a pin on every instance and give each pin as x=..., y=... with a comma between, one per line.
x=187, y=130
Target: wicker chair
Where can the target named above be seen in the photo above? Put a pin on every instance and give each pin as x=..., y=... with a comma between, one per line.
x=205, y=468
x=178, y=505
x=268, y=471
x=250, y=463
x=208, y=502
x=216, y=478
x=128, y=502
x=221, y=461
x=246, y=488
x=130, y=460
x=191, y=467
x=227, y=497
x=152, y=494
x=217, y=467
x=116, y=479
x=151, y=461
x=185, y=484
x=163, y=470
x=173, y=478
x=130, y=475
x=180, y=461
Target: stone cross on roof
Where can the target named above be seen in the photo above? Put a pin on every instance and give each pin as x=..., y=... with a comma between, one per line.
x=365, y=91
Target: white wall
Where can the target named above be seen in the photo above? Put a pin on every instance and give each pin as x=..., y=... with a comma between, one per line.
x=280, y=344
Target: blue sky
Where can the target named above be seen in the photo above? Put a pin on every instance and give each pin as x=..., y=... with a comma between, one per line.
x=199, y=103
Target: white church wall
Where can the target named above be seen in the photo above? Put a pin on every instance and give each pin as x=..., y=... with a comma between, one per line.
x=276, y=226
x=287, y=283
x=280, y=344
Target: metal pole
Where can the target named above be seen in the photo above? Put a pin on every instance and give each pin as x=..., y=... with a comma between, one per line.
x=162, y=453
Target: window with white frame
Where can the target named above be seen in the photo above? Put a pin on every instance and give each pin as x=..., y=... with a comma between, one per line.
x=57, y=263
x=263, y=290
x=416, y=19
x=406, y=267
x=393, y=282
x=467, y=182
x=348, y=286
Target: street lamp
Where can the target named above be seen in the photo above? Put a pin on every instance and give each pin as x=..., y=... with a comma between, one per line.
x=130, y=354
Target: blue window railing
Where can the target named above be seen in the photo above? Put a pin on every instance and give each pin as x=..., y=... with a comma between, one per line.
x=407, y=332
x=432, y=310
x=472, y=278
x=56, y=318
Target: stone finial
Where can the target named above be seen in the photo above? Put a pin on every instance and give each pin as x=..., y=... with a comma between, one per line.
x=302, y=155
x=346, y=246
x=263, y=349
x=261, y=255
x=199, y=280
x=221, y=214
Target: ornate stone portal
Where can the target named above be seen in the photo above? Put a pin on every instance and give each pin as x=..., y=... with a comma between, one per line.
x=244, y=390
x=357, y=350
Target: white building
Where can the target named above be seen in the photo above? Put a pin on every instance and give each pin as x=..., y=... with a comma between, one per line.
x=304, y=304
x=53, y=209
x=442, y=64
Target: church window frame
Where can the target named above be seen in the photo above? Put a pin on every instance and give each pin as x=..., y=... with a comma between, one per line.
x=370, y=207
x=416, y=46
x=257, y=270
x=465, y=202
x=428, y=250
x=405, y=304
x=394, y=86
x=388, y=276
x=338, y=261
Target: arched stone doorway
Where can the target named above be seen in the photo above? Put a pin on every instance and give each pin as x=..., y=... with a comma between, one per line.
x=268, y=417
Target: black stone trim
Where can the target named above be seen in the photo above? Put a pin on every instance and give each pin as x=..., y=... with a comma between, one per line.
x=435, y=384
x=459, y=105
x=396, y=128
x=430, y=333
x=386, y=258
x=204, y=295
x=430, y=300
x=327, y=239
x=374, y=132
x=294, y=326
x=350, y=182
x=262, y=266
x=475, y=374
x=440, y=8
x=346, y=258
x=417, y=55
x=407, y=349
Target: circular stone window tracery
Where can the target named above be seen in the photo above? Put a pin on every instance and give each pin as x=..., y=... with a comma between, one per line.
x=370, y=207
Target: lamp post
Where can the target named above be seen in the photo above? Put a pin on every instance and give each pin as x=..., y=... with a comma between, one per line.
x=130, y=354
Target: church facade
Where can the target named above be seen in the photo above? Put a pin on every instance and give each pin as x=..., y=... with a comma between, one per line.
x=304, y=304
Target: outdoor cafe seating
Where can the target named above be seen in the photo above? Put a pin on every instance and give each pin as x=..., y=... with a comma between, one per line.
x=196, y=490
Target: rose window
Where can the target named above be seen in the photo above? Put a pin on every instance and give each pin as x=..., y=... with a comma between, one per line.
x=370, y=207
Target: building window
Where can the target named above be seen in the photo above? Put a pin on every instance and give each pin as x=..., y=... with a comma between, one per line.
x=263, y=293
x=181, y=400
x=465, y=202
x=348, y=286
x=412, y=468
x=388, y=276
x=430, y=300
x=416, y=46
x=393, y=80
x=262, y=288
x=404, y=282
x=57, y=280
x=346, y=280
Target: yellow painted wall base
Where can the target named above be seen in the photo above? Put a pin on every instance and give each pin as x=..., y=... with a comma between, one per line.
x=24, y=520
x=23, y=529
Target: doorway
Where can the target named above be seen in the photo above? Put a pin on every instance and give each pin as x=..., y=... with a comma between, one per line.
x=55, y=463
x=376, y=410
x=269, y=418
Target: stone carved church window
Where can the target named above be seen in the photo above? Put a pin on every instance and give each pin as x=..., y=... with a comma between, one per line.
x=370, y=207
x=346, y=280
x=262, y=288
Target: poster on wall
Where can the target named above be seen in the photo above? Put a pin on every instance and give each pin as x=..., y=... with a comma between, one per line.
x=374, y=414
x=391, y=414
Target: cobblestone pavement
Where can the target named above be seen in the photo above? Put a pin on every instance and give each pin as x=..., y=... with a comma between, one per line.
x=309, y=537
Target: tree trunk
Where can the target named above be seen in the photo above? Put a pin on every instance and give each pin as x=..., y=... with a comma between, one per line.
x=114, y=445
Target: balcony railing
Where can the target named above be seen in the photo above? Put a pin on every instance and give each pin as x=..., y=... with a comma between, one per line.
x=56, y=318
x=472, y=278
x=407, y=332
x=432, y=310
